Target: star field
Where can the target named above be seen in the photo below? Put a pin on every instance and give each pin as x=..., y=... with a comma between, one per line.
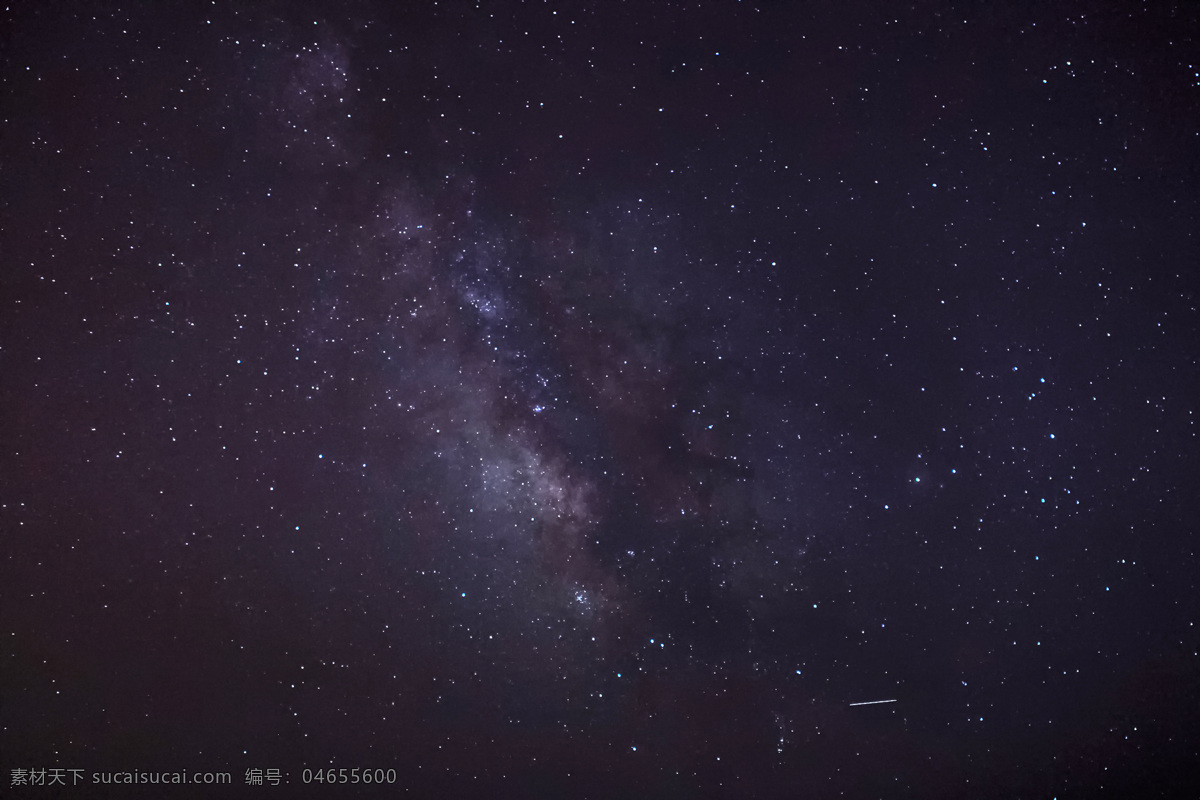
x=601, y=400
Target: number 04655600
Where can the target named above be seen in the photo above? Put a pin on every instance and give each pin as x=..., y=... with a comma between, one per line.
x=343, y=775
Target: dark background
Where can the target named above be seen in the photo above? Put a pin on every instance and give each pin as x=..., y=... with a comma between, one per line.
x=596, y=399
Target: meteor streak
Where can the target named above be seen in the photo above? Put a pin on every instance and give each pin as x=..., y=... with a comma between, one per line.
x=872, y=702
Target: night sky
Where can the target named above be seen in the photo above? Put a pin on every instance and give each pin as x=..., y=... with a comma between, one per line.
x=602, y=399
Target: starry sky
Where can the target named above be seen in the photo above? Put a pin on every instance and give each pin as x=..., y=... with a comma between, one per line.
x=603, y=399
